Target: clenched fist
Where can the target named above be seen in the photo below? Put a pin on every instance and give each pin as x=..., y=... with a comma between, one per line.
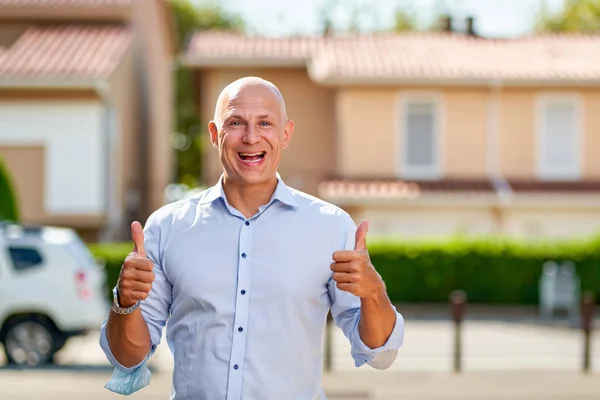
x=136, y=277
x=353, y=271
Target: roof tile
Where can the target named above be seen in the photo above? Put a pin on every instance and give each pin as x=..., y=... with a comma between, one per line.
x=65, y=51
x=427, y=56
x=64, y=3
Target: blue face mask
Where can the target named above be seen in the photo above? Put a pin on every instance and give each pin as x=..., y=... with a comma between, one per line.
x=130, y=382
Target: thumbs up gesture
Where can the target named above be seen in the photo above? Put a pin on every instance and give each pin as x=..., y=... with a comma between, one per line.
x=136, y=277
x=353, y=270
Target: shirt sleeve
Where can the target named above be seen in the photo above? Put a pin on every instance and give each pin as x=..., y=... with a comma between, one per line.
x=346, y=312
x=155, y=311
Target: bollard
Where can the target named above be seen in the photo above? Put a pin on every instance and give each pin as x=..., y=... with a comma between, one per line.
x=587, y=322
x=457, y=301
x=328, y=339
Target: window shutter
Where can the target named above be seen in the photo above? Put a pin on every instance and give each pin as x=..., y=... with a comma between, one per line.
x=420, y=140
x=559, y=142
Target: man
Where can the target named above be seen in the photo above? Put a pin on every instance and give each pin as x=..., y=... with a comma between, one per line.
x=245, y=273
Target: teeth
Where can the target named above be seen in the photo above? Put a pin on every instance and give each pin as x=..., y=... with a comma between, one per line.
x=252, y=154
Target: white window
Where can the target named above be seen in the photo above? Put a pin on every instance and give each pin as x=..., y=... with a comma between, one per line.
x=419, y=137
x=559, y=137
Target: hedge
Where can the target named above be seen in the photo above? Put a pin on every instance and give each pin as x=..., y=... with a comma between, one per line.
x=490, y=271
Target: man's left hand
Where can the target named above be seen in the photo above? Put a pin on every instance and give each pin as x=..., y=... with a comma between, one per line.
x=353, y=270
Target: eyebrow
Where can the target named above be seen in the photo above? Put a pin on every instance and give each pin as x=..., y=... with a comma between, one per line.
x=238, y=116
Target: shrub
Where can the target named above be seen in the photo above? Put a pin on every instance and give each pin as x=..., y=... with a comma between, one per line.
x=8, y=206
x=490, y=271
x=113, y=255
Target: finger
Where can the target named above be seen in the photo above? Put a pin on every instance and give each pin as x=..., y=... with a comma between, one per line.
x=139, y=263
x=135, y=285
x=135, y=275
x=345, y=256
x=346, y=287
x=360, y=242
x=346, y=267
x=344, y=277
x=137, y=234
x=137, y=295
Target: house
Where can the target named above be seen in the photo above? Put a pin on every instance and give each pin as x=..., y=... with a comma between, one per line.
x=430, y=134
x=86, y=110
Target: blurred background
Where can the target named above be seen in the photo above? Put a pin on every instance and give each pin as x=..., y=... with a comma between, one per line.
x=467, y=132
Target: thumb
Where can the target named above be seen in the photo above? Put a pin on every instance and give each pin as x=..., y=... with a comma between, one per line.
x=137, y=234
x=360, y=242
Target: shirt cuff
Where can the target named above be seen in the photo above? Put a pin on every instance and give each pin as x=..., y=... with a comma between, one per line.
x=362, y=354
x=111, y=358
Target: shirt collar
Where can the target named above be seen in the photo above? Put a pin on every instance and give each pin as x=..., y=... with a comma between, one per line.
x=282, y=193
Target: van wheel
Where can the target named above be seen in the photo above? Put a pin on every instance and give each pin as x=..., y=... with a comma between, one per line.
x=29, y=342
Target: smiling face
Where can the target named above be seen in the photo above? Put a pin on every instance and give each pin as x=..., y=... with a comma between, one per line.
x=250, y=130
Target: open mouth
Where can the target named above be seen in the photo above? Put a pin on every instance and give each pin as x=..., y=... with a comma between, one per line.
x=252, y=157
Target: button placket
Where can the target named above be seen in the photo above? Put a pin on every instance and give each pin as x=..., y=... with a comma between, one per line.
x=241, y=312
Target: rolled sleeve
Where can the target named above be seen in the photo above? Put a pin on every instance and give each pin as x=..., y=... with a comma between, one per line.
x=346, y=312
x=155, y=311
x=381, y=357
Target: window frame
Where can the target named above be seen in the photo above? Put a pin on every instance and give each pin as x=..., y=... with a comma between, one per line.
x=547, y=172
x=403, y=169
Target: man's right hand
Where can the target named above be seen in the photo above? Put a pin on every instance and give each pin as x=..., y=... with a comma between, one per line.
x=136, y=277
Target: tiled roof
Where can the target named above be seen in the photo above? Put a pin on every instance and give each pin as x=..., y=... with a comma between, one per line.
x=399, y=189
x=65, y=52
x=414, y=56
x=64, y=3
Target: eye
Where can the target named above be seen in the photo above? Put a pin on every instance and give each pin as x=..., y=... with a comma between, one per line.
x=265, y=123
x=235, y=123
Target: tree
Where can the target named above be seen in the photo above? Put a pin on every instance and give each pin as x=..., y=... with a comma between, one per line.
x=404, y=21
x=8, y=205
x=190, y=18
x=581, y=16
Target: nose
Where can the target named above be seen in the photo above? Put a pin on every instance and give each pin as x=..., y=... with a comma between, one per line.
x=251, y=136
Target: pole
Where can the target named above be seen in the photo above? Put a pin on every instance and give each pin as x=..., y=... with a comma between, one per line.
x=457, y=301
x=328, y=344
x=587, y=322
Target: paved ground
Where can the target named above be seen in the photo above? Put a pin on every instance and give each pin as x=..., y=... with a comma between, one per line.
x=359, y=385
x=517, y=359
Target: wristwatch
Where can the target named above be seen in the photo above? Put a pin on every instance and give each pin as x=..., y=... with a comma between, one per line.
x=116, y=307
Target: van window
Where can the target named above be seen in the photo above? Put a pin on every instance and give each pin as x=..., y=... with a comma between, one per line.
x=24, y=258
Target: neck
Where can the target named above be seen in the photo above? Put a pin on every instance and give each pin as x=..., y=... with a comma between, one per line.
x=248, y=198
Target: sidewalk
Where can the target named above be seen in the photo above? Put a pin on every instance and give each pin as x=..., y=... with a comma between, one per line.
x=376, y=385
x=357, y=385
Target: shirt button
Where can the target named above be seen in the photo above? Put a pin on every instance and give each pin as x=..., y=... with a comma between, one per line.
x=240, y=329
x=247, y=223
x=235, y=366
x=243, y=255
x=243, y=291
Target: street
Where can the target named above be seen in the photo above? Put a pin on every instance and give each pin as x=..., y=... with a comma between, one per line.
x=501, y=361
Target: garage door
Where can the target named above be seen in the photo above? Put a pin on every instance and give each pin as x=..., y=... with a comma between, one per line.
x=69, y=135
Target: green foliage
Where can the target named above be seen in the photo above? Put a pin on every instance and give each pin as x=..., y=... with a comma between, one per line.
x=405, y=21
x=113, y=254
x=190, y=18
x=490, y=271
x=576, y=16
x=9, y=209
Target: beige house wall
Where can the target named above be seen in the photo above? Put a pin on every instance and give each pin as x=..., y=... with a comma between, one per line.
x=519, y=131
x=157, y=58
x=370, y=128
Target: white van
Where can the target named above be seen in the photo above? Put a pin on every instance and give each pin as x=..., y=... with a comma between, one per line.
x=51, y=288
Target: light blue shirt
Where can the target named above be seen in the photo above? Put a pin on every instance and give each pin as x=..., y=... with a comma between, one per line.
x=246, y=300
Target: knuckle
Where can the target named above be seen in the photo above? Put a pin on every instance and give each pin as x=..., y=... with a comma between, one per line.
x=143, y=296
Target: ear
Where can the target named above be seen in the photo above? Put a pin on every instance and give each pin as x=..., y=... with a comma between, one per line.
x=287, y=134
x=214, y=133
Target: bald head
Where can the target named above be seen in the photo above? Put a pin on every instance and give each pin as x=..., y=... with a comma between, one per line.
x=250, y=84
